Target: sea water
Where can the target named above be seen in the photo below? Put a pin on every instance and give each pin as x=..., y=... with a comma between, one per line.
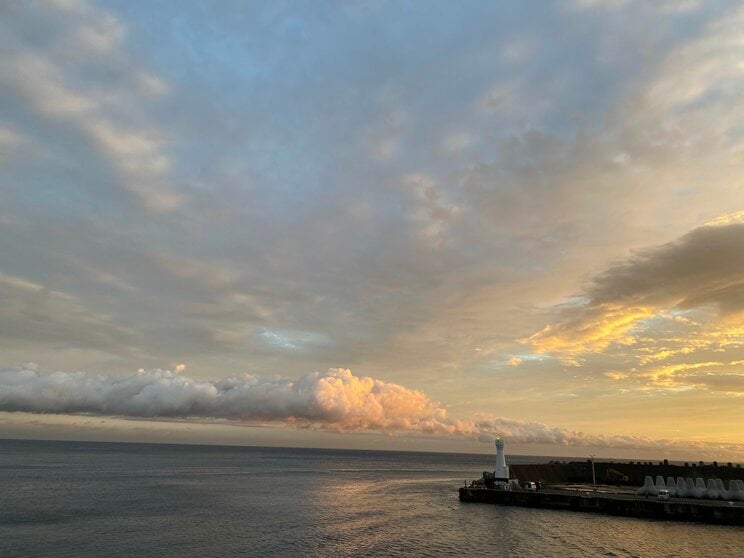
x=106, y=499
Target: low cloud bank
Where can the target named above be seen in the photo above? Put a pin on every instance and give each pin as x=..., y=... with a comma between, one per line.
x=334, y=400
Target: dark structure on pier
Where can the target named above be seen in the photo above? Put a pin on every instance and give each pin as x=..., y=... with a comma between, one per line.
x=620, y=473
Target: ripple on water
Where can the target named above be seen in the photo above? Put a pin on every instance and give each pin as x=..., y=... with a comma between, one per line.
x=144, y=500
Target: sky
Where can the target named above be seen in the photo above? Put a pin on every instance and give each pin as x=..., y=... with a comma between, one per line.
x=370, y=224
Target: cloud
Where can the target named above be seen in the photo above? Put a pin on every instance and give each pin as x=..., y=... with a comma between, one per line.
x=589, y=329
x=729, y=218
x=703, y=70
x=30, y=312
x=433, y=188
x=464, y=247
x=434, y=214
x=711, y=376
x=704, y=268
x=728, y=383
x=664, y=6
x=110, y=114
x=9, y=139
x=335, y=400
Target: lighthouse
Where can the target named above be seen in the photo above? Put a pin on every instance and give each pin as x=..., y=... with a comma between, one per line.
x=502, y=471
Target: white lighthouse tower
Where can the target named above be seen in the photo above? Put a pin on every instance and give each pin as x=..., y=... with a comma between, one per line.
x=502, y=471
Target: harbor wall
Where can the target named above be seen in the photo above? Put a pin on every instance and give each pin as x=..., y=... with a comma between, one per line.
x=676, y=510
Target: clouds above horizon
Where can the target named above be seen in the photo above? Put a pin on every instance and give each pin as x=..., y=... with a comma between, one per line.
x=336, y=400
x=225, y=186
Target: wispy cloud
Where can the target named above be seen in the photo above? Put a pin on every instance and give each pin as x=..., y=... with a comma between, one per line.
x=33, y=312
x=111, y=115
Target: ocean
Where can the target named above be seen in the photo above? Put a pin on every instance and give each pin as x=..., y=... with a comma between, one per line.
x=82, y=499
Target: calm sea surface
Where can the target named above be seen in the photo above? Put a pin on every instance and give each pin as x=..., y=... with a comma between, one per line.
x=100, y=499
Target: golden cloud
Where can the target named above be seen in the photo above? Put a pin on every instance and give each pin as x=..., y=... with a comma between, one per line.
x=703, y=269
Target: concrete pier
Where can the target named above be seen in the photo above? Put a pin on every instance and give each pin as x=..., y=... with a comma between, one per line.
x=675, y=509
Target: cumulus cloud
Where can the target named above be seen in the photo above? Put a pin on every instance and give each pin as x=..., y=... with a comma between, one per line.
x=704, y=268
x=335, y=400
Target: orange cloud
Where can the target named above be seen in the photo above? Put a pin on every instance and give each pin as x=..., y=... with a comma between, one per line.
x=592, y=329
x=335, y=400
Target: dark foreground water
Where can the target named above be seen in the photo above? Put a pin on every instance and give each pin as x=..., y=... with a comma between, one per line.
x=96, y=499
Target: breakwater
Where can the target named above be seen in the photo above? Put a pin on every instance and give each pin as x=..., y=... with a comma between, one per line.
x=612, y=504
